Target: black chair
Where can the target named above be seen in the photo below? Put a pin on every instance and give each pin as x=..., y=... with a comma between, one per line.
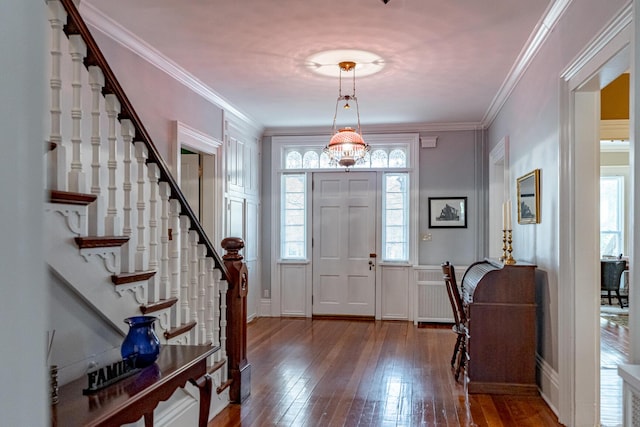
x=610, y=274
x=458, y=360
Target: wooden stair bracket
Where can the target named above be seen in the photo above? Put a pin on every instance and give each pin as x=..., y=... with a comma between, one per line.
x=239, y=368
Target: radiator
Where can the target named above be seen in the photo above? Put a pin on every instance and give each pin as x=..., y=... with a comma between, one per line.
x=432, y=302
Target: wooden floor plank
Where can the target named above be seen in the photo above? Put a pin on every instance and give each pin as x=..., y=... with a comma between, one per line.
x=353, y=373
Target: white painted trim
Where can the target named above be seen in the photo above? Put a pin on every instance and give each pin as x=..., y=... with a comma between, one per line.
x=577, y=402
x=375, y=129
x=110, y=28
x=212, y=179
x=265, y=307
x=428, y=142
x=549, y=380
x=528, y=52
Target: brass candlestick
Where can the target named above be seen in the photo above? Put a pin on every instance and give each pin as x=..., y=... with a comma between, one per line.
x=504, y=246
x=509, y=259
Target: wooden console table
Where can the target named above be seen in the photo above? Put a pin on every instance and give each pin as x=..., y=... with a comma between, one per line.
x=138, y=395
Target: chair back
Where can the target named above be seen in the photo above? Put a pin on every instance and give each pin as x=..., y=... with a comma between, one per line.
x=449, y=276
x=610, y=274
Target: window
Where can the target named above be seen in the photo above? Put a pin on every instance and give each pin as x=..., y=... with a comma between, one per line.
x=611, y=215
x=395, y=217
x=315, y=158
x=293, y=224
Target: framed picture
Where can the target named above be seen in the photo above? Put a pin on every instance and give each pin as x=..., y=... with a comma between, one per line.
x=529, y=198
x=447, y=212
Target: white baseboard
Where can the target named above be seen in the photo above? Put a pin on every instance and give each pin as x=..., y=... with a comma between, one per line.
x=548, y=384
x=265, y=307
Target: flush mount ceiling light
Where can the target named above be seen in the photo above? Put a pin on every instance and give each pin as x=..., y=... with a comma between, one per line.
x=346, y=147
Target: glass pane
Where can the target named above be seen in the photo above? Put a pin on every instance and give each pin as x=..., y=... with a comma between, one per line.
x=294, y=217
x=325, y=161
x=395, y=201
x=397, y=159
x=395, y=234
x=394, y=217
x=310, y=160
x=379, y=159
x=395, y=252
x=294, y=233
x=294, y=201
x=294, y=160
x=293, y=250
x=293, y=183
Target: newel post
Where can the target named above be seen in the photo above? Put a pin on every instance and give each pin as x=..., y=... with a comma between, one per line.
x=239, y=368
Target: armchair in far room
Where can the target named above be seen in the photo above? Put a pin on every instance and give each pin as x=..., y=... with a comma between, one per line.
x=610, y=275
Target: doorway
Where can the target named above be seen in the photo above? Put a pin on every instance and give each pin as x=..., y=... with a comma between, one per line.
x=197, y=168
x=579, y=254
x=344, y=242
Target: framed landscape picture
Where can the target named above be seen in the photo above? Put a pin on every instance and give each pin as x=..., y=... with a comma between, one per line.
x=529, y=198
x=447, y=212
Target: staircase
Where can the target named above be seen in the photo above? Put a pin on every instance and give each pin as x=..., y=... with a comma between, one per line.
x=120, y=233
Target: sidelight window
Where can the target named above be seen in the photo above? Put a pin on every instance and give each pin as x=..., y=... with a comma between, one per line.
x=293, y=213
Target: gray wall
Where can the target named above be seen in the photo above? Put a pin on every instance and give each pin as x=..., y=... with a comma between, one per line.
x=449, y=170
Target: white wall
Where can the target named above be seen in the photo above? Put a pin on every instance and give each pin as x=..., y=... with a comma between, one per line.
x=23, y=395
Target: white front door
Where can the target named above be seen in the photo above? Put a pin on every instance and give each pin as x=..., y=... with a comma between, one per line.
x=344, y=243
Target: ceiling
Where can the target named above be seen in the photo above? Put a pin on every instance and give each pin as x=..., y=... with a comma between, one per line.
x=444, y=60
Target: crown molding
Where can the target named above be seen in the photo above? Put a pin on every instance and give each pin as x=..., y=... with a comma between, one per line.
x=377, y=129
x=110, y=28
x=528, y=52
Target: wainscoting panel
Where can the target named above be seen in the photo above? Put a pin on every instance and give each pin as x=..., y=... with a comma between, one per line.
x=294, y=289
x=395, y=292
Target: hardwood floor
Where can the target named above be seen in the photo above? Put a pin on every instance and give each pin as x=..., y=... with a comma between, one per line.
x=365, y=373
x=614, y=350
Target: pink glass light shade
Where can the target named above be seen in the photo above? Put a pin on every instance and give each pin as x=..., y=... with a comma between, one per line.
x=346, y=147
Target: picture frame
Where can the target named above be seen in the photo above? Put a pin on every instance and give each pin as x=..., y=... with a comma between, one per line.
x=529, y=198
x=447, y=212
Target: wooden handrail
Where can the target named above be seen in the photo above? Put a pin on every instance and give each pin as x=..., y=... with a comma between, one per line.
x=76, y=25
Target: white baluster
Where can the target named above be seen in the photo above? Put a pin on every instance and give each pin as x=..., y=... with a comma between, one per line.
x=128, y=133
x=153, y=172
x=165, y=193
x=202, y=293
x=96, y=209
x=193, y=277
x=185, y=223
x=57, y=166
x=174, y=259
x=217, y=276
x=142, y=256
x=209, y=298
x=78, y=50
x=224, y=287
x=112, y=223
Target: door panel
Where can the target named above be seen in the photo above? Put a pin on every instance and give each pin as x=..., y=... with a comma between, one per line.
x=344, y=236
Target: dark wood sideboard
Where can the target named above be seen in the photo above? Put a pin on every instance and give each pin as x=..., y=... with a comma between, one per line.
x=138, y=395
x=500, y=304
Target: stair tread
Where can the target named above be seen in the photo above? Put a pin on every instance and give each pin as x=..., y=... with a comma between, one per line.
x=85, y=242
x=180, y=330
x=136, y=276
x=71, y=198
x=157, y=306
